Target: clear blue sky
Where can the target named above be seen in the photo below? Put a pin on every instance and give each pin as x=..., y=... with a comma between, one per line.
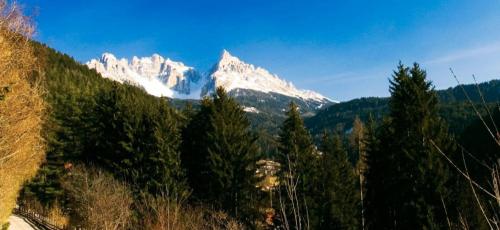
x=342, y=49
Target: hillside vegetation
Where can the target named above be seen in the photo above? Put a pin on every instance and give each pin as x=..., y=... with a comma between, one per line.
x=453, y=107
x=21, y=107
x=119, y=157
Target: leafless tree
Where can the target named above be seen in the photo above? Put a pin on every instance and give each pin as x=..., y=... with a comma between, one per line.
x=97, y=200
x=492, y=194
x=291, y=203
x=21, y=107
x=166, y=212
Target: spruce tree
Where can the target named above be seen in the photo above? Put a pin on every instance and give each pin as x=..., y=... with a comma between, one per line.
x=299, y=172
x=195, y=152
x=93, y=120
x=232, y=156
x=220, y=154
x=162, y=163
x=339, y=200
x=409, y=177
x=137, y=138
x=295, y=143
x=63, y=144
x=378, y=178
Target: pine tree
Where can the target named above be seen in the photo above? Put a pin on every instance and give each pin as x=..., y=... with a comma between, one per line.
x=299, y=172
x=340, y=200
x=296, y=145
x=356, y=141
x=187, y=114
x=232, y=157
x=136, y=137
x=220, y=153
x=379, y=185
x=112, y=133
x=194, y=150
x=409, y=176
x=93, y=120
x=162, y=163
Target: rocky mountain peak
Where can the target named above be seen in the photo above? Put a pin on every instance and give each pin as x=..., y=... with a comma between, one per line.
x=160, y=76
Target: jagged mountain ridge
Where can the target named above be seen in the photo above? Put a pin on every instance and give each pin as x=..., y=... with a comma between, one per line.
x=156, y=75
x=164, y=77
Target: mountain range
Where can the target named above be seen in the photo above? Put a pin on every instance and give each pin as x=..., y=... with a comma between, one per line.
x=263, y=95
x=264, y=108
x=161, y=76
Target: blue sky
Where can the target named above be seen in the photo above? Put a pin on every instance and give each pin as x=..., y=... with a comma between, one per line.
x=342, y=49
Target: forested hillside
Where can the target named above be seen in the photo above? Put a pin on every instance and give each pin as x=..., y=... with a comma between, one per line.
x=119, y=156
x=453, y=107
x=266, y=109
x=99, y=131
x=151, y=143
x=91, y=116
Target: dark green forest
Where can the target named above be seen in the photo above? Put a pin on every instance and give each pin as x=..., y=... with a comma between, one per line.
x=453, y=107
x=370, y=163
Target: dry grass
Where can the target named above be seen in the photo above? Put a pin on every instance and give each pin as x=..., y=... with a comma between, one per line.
x=166, y=213
x=496, y=189
x=496, y=183
x=98, y=201
x=54, y=213
x=57, y=216
x=21, y=107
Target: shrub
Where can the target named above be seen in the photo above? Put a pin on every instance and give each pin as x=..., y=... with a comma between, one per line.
x=162, y=212
x=97, y=200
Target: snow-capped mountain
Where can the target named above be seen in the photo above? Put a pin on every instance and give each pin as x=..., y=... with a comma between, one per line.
x=157, y=75
x=232, y=73
x=164, y=77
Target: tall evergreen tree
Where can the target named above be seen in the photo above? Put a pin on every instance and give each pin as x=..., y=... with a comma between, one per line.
x=223, y=154
x=339, y=200
x=194, y=150
x=410, y=176
x=296, y=145
x=136, y=137
x=378, y=178
x=97, y=121
x=162, y=163
x=232, y=156
x=299, y=172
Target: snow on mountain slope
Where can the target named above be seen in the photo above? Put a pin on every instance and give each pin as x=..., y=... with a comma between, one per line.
x=164, y=77
x=250, y=109
x=232, y=73
x=158, y=76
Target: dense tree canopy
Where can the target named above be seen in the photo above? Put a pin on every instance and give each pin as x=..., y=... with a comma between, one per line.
x=388, y=171
x=407, y=177
x=220, y=153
